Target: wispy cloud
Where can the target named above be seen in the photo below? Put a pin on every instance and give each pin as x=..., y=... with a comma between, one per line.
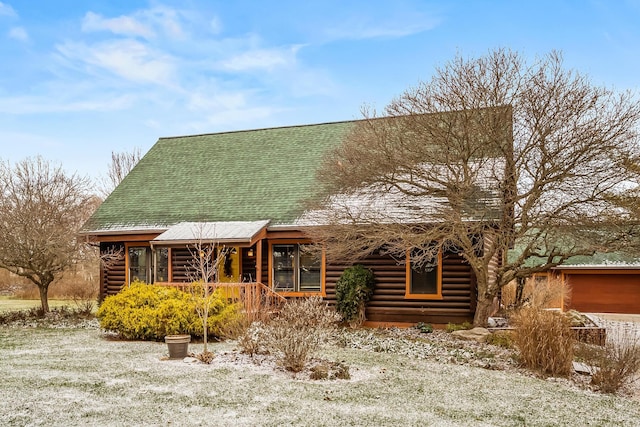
x=261, y=59
x=358, y=29
x=127, y=59
x=19, y=33
x=6, y=10
x=47, y=104
x=147, y=23
x=123, y=25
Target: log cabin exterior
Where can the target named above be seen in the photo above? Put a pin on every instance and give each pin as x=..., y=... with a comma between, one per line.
x=250, y=186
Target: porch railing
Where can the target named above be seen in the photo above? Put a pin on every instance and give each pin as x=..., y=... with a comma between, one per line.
x=256, y=298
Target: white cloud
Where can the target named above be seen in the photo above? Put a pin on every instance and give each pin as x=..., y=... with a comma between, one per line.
x=51, y=104
x=166, y=18
x=228, y=119
x=261, y=59
x=147, y=23
x=359, y=29
x=19, y=33
x=216, y=25
x=128, y=59
x=6, y=10
x=122, y=25
x=215, y=100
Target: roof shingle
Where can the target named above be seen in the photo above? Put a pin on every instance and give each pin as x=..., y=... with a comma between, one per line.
x=232, y=176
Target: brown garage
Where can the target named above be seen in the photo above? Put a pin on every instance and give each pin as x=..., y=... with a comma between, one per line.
x=603, y=289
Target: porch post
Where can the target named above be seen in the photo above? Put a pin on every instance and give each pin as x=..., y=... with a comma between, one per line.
x=259, y=262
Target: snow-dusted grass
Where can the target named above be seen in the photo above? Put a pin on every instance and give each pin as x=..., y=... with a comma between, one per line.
x=11, y=304
x=78, y=376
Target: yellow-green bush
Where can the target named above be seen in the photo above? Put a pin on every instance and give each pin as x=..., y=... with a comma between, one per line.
x=149, y=312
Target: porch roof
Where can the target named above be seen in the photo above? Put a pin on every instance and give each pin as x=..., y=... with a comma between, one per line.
x=213, y=232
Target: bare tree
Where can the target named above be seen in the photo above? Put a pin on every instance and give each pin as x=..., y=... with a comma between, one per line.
x=121, y=164
x=491, y=154
x=41, y=210
x=206, y=259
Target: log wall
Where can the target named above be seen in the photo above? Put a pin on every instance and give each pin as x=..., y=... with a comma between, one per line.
x=112, y=279
x=389, y=304
x=180, y=261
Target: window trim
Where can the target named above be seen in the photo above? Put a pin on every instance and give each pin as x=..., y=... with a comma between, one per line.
x=409, y=295
x=322, y=292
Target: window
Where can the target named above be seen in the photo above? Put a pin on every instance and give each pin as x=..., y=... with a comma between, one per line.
x=294, y=269
x=424, y=281
x=139, y=264
x=147, y=265
x=161, y=264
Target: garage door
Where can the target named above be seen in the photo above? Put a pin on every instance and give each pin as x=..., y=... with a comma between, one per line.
x=605, y=293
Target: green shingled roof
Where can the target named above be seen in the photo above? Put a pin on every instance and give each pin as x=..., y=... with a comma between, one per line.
x=233, y=176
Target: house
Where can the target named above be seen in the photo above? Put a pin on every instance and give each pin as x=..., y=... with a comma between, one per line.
x=247, y=190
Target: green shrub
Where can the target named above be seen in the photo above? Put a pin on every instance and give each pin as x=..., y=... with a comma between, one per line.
x=149, y=312
x=353, y=289
x=452, y=327
x=544, y=340
x=425, y=328
x=500, y=339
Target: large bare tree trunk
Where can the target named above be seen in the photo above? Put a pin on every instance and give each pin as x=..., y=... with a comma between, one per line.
x=44, y=297
x=484, y=309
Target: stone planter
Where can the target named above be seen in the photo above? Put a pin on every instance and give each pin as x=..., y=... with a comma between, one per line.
x=178, y=345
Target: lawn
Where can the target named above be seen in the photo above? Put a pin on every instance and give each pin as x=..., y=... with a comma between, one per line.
x=11, y=304
x=79, y=376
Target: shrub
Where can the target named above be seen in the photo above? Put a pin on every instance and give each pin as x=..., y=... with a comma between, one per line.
x=500, y=339
x=452, y=327
x=353, y=289
x=302, y=326
x=615, y=364
x=425, y=328
x=150, y=312
x=544, y=340
x=252, y=340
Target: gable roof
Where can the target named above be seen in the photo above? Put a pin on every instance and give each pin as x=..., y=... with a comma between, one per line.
x=231, y=176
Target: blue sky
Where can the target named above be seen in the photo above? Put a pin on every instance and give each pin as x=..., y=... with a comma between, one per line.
x=79, y=79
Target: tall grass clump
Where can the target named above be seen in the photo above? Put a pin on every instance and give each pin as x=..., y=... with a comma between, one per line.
x=614, y=365
x=537, y=292
x=544, y=340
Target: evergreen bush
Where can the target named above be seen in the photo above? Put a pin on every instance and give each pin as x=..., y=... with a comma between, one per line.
x=149, y=312
x=353, y=289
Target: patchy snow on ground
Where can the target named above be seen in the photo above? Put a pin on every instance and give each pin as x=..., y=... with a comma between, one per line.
x=81, y=376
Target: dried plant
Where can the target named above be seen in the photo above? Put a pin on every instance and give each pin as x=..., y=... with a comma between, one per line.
x=538, y=292
x=301, y=327
x=616, y=364
x=544, y=340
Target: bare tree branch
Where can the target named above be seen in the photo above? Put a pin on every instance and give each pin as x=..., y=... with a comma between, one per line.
x=41, y=210
x=121, y=164
x=524, y=155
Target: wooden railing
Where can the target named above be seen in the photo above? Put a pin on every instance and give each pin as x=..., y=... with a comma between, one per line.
x=256, y=298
